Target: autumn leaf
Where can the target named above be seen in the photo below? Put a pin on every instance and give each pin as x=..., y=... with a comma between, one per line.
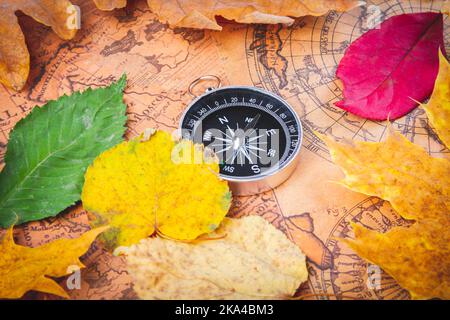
x=108, y=5
x=24, y=269
x=396, y=170
x=418, y=188
x=438, y=107
x=139, y=187
x=417, y=257
x=202, y=14
x=50, y=149
x=253, y=260
x=401, y=57
x=14, y=56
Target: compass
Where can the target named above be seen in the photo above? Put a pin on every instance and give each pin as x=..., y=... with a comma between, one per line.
x=255, y=134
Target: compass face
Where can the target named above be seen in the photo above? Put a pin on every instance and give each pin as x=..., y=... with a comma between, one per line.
x=253, y=132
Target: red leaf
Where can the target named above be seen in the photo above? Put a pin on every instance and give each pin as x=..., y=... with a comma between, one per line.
x=386, y=67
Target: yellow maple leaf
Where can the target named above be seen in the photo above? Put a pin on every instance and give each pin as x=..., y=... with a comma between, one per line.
x=137, y=187
x=438, y=107
x=417, y=186
x=24, y=269
x=14, y=57
x=202, y=14
x=417, y=257
x=253, y=260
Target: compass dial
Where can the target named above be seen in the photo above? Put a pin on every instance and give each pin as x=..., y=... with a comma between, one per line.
x=253, y=132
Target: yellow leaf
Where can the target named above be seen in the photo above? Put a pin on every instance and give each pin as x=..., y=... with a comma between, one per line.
x=418, y=187
x=417, y=257
x=202, y=14
x=138, y=185
x=24, y=269
x=438, y=107
x=253, y=260
x=14, y=57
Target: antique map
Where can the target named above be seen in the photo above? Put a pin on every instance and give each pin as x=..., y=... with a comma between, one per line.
x=297, y=62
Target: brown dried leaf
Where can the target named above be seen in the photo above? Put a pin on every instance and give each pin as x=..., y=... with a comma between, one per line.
x=248, y=259
x=201, y=14
x=14, y=57
x=108, y=5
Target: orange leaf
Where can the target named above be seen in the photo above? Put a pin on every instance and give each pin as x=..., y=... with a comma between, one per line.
x=24, y=269
x=417, y=186
x=201, y=14
x=108, y=5
x=61, y=15
x=417, y=257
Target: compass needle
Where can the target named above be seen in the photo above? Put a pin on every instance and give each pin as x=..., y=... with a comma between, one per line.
x=255, y=148
x=244, y=151
x=216, y=145
x=253, y=153
x=231, y=130
x=254, y=138
x=222, y=139
x=223, y=150
x=241, y=160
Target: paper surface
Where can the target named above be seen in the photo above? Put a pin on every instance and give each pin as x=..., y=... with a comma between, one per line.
x=297, y=62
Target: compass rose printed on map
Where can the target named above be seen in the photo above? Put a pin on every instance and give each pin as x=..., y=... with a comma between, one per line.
x=296, y=62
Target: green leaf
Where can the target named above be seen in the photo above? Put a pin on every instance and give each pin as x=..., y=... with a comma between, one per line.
x=49, y=150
